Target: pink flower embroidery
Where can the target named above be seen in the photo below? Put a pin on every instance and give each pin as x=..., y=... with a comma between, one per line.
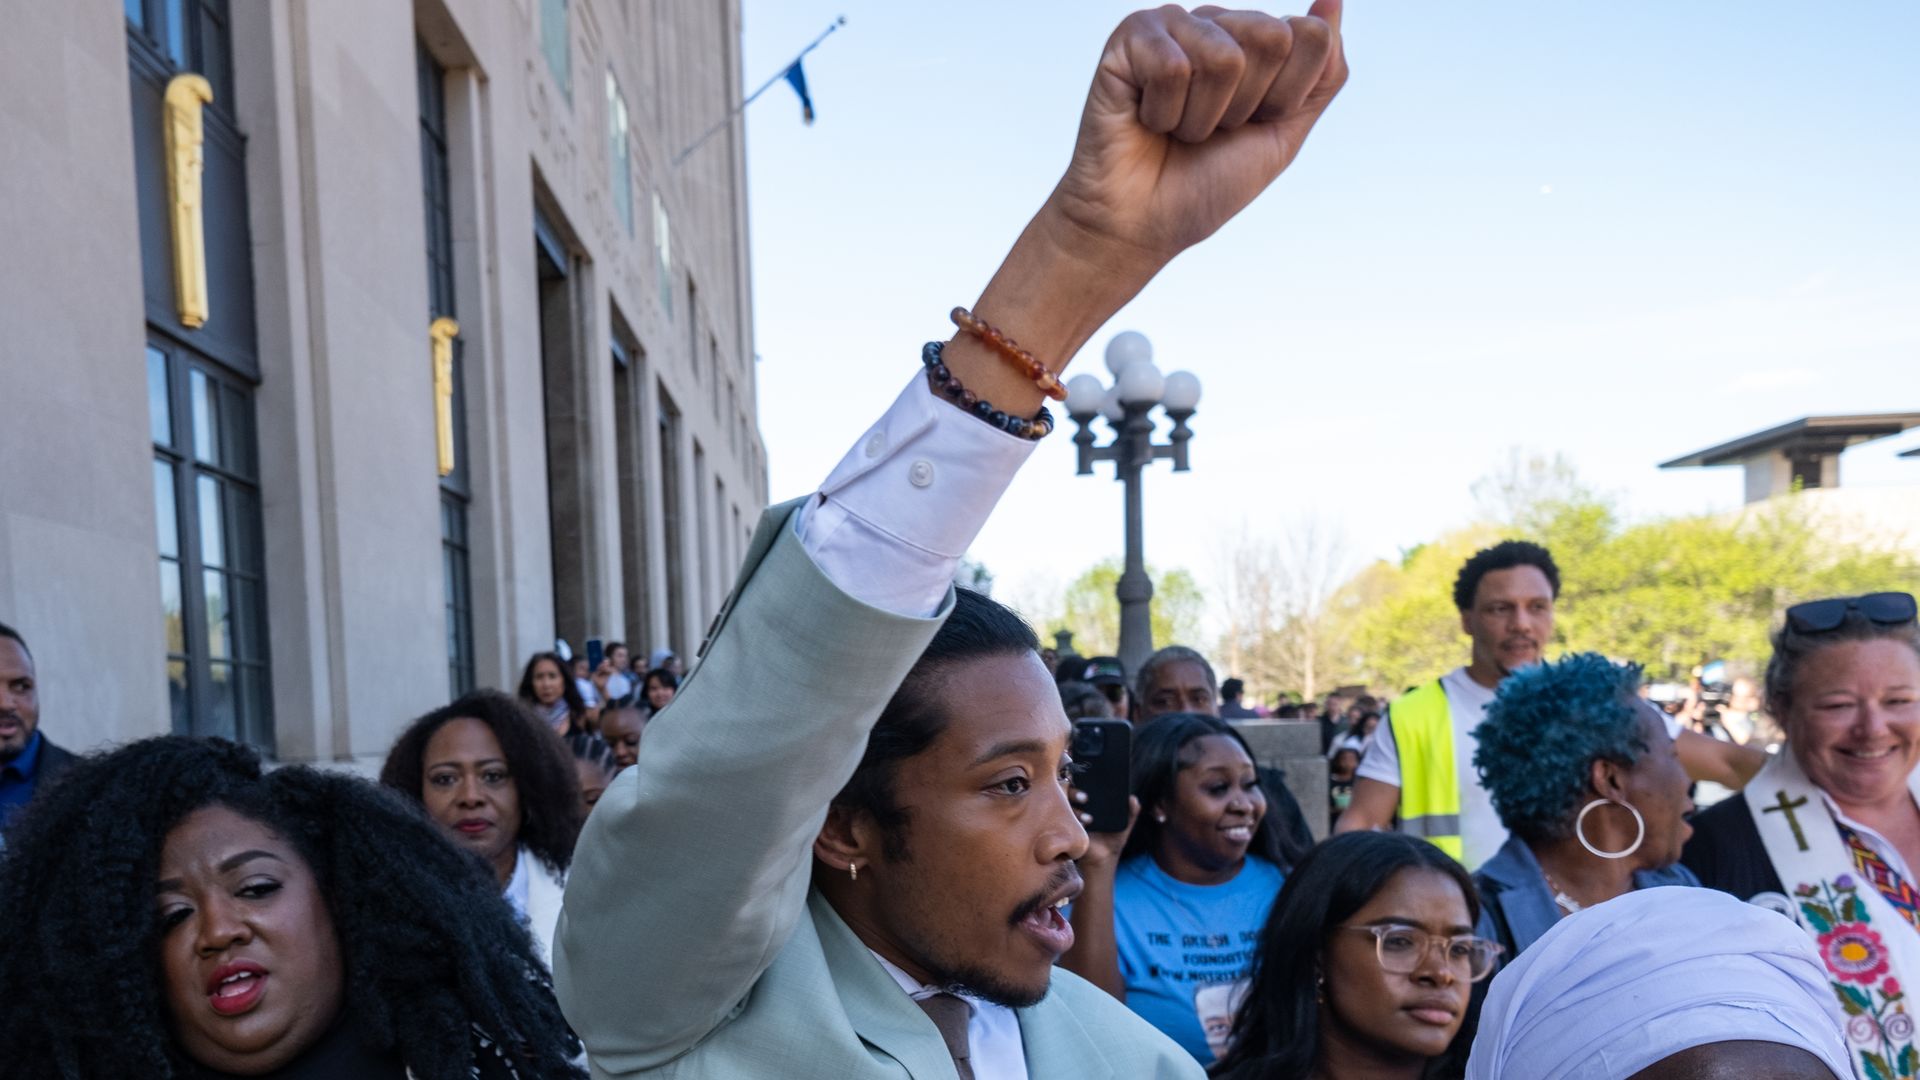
x=1854, y=953
x=1891, y=988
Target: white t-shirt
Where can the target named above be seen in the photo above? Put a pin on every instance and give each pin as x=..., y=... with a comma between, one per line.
x=618, y=686
x=1481, y=834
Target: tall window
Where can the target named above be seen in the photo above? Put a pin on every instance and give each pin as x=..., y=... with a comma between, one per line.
x=618, y=158
x=693, y=326
x=555, y=42
x=672, y=519
x=190, y=35
x=455, y=496
x=630, y=444
x=732, y=419
x=206, y=475
x=206, y=496
x=663, y=254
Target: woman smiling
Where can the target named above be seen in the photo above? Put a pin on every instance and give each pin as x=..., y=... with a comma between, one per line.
x=1173, y=907
x=1829, y=832
x=174, y=912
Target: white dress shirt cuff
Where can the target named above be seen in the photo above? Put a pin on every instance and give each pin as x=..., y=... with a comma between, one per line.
x=894, y=517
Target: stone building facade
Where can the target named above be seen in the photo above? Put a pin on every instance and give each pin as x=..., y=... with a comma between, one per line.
x=265, y=426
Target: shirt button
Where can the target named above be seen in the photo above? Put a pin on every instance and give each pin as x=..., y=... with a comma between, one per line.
x=876, y=443
x=920, y=474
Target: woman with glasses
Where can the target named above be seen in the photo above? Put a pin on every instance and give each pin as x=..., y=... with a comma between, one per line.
x=1829, y=832
x=1584, y=776
x=1364, y=968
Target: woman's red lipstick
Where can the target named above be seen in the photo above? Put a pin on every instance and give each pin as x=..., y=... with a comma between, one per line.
x=235, y=987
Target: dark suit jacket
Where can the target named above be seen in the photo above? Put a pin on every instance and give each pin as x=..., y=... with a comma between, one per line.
x=1726, y=852
x=53, y=761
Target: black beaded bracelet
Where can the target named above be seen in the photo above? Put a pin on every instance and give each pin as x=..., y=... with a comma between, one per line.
x=943, y=381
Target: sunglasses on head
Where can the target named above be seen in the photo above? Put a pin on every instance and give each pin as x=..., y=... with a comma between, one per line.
x=1820, y=616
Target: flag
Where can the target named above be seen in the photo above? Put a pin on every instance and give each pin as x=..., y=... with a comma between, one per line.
x=797, y=78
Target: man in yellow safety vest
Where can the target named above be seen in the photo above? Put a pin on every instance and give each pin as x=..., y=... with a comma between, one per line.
x=1419, y=767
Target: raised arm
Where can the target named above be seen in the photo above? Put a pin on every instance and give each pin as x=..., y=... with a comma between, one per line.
x=695, y=865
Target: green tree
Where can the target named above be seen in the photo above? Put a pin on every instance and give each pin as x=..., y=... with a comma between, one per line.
x=1669, y=593
x=1397, y=621
x=1674, y=593
x=1089, y=609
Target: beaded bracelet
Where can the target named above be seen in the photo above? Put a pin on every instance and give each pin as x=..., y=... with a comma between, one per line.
x=943, y=381
x=1049, y=384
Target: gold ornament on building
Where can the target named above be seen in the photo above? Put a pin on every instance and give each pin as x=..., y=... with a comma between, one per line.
x=186, y=96
x=443, y=331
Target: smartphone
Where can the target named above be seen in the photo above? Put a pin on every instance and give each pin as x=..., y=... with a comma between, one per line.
x=1103, y=768
x=596, y=652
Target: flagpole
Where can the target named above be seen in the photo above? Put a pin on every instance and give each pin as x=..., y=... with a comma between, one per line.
x=749, y=99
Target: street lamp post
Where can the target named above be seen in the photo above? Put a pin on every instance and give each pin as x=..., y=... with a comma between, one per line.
x=1127, y=406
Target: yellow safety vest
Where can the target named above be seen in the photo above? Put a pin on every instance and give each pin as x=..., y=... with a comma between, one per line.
x=1429, y=782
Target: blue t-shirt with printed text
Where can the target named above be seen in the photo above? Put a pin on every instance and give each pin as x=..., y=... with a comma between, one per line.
x=1176, y=939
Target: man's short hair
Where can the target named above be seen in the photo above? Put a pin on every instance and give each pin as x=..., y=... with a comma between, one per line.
x=1172, y=654
x=1232, y=689
x=918, y=712
x=14, y=635
x=1504, y=555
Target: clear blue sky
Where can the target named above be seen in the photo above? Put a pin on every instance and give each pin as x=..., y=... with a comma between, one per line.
x=1620, y=231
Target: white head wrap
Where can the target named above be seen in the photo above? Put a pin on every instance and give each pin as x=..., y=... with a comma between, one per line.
x=1615, y=988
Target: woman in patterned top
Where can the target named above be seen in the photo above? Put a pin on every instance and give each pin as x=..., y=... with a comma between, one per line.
x=1829, y=832
x=175, y=912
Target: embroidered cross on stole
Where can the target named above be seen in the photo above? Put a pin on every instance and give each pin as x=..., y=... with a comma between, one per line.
x=1864, y=920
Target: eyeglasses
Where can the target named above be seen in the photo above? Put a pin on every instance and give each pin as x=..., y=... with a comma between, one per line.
x=1401, y=950
x=1821, y=616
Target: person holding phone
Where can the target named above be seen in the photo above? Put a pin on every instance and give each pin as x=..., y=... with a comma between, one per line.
x=1174, y=904
x=846, y=849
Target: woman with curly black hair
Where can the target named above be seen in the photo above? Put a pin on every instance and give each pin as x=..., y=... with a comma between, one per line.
x=173, y=912
x=500, y=785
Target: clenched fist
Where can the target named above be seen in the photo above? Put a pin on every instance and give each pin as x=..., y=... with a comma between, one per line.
x=1191, y=116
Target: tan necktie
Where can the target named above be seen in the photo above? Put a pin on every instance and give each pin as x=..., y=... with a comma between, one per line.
x=949, y=1014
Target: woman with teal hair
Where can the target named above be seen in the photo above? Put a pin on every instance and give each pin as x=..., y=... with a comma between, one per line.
x=1584, y=775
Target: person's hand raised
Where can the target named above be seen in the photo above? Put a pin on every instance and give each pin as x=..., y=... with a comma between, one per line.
x=1191, y=116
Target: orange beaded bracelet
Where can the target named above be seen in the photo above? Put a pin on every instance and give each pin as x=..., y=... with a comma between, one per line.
x=1049, y=384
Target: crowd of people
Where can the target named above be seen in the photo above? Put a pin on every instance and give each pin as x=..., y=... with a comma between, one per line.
x=856, y=841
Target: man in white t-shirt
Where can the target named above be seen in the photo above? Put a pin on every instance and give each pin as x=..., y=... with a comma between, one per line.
x=1505, y=595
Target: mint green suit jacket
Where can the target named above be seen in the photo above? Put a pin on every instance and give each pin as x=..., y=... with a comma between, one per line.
x=691, y=943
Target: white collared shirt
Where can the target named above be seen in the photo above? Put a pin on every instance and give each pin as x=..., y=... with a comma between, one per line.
x=518, y=884
x=1881, y=846
x=894, y=517
x=994, y=1045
